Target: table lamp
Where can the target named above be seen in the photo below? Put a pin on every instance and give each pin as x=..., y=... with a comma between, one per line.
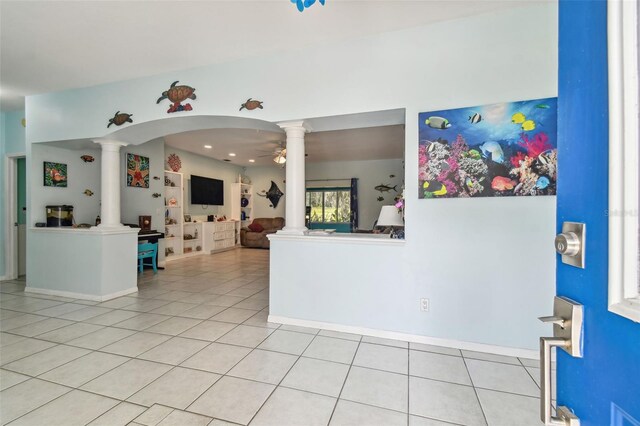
x=390, y=216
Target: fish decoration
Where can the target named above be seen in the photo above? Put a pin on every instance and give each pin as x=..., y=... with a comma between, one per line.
x=542, y=106
x=178, y=94
x=156, y=195
x=385, y=188
x=87, y=158
x=475, y=118
x=120, y=118
x=542, y=182
x=305, y=4
x=492, y=150
x=88, y=192
x=474, y=153
x=518, y=118
x=528, y=125
x=433, y=187
x=501, y=183
x=380, y=198
x=273, y=194
x=437, y=123
x=251, y=104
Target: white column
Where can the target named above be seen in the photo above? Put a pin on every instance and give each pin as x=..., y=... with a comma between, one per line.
x=295, y=177
x=110, y=183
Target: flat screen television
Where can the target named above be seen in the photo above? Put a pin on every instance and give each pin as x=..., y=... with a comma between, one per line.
x=207, y=191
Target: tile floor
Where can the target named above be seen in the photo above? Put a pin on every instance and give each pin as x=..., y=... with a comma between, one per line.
x=193, y=347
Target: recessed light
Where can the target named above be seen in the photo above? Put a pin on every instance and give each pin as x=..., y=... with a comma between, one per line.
x=252, y=161
x=232, y=154
x=208, y=146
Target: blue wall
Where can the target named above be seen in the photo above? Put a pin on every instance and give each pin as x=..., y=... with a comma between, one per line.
x=609, y=373
x=12, y=141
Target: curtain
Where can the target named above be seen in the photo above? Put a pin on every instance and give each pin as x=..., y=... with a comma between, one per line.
x=354, y=204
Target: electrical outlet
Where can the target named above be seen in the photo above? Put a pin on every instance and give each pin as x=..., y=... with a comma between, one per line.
x=424, y=305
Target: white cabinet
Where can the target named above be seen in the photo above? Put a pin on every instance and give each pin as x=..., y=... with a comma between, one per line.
x=224, y=235
x=219, y=235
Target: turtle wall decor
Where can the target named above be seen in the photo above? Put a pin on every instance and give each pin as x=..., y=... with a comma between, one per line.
x=273, y=194
x=178, y=94
x=119, y=118
x=251, y=104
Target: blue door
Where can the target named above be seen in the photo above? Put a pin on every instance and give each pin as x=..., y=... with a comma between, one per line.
x=603, y=387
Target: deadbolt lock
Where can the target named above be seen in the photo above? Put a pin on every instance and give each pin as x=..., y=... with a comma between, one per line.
x=570, y=243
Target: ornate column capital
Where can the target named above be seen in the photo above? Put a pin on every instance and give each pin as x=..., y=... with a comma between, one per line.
x=295, y=125
x=110, y=144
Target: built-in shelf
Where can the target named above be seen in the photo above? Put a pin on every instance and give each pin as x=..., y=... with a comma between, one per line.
x=174, y=213
x=240, y=213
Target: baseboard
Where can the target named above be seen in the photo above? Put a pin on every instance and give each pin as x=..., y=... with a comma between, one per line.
x=458, y=344
x=81, y=296
x=5, y=278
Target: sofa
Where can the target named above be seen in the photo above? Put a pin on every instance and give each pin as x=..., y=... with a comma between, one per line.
x=249, y=238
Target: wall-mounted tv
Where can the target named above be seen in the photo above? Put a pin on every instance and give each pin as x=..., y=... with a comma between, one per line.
x=207, y=191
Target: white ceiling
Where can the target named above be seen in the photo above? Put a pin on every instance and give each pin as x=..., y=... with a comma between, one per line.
x=49, y=46
x=370, y=143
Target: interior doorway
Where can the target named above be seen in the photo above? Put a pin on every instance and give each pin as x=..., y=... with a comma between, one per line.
x=21, y=214
x=16, y=217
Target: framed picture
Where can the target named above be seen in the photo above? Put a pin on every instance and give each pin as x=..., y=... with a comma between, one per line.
x=55, y=174
x=137, y=171
x=187, y=218
x=499, y=150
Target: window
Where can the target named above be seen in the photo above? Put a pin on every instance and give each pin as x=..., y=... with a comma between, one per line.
x=624, y=152
x=329, y=205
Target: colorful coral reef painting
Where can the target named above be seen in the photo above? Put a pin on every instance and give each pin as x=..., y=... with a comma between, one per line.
x=507, y=149
x=137, y=171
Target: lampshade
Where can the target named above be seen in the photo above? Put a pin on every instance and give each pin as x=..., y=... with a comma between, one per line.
x=280, y=159
x=390, y=216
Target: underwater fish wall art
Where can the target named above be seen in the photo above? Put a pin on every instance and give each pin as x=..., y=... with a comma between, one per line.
x=507, y=149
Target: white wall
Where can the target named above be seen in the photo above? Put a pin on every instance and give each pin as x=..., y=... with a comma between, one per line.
x=80, y=176
x=490, y=259
x=194, y=164
x=369, y=174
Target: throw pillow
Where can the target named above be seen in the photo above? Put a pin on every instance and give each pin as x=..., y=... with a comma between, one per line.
x=256, y=227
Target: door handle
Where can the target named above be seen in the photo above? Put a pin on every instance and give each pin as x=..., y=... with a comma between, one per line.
x=553, y=320
x=567, y=335
x=564, y=415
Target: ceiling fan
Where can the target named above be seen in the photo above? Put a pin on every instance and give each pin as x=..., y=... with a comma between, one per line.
x=279, y=154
